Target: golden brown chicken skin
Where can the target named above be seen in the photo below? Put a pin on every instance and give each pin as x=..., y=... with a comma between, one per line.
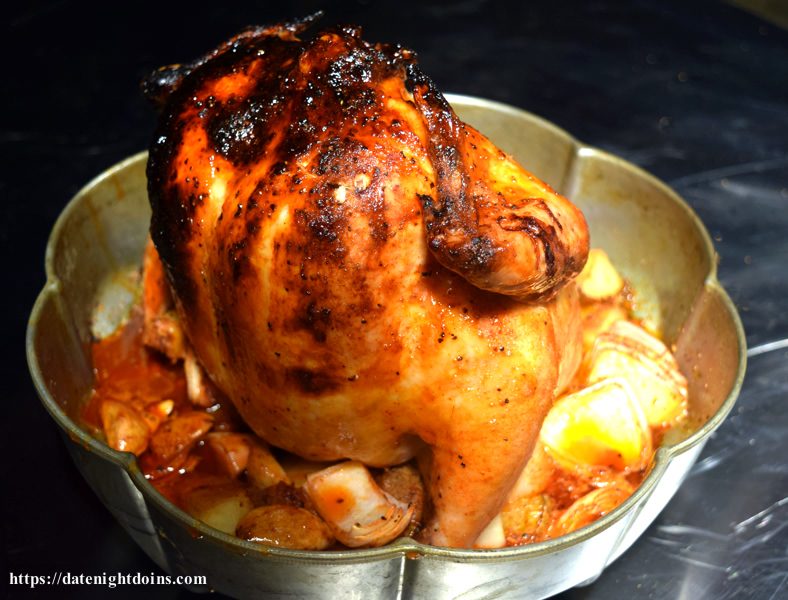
x=350, y=263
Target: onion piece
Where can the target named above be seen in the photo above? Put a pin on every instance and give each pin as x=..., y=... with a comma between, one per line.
x=592, y=506
x=629, y=352
x=358, y=512
x=492, y=536
x=199, y=388
x=528, y=519
x=598, y=318
x=601, y=426
x=536, y=476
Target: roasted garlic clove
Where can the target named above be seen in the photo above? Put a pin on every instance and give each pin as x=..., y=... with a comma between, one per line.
x=156, y=468
x=592, y=506
x=124, y=427
x=178, y=434
x=231, y=450
x=358, y=512
x=155, y=414
x=599, y=279
x=262, y=468
x=285, y=526
x=601, y=426
x=629, y=352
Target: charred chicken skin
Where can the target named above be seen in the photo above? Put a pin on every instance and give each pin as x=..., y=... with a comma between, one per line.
x=362, y=274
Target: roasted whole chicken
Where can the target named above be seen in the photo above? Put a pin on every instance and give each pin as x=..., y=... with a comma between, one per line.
x=364, y=276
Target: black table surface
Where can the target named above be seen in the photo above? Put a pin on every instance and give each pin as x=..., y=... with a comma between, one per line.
x=694, y=92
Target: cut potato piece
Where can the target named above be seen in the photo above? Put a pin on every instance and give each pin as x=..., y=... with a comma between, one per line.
x=629, y=352
x=285, y=526
x=601, y=426
x=220, y=506
x=599, y=279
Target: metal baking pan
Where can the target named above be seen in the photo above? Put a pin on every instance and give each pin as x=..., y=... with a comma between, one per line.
x=652, y=236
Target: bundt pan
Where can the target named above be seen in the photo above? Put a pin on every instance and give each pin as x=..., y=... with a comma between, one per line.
x=651, y=235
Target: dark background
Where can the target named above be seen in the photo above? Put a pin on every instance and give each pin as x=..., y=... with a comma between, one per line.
x=694, y=92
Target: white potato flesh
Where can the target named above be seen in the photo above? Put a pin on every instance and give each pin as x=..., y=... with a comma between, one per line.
x=221, y=507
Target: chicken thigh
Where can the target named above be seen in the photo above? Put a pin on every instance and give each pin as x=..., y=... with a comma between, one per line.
x=362, y=274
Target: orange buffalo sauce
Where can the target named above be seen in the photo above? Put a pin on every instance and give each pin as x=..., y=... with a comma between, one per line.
x=126, y=371
x=129, y=373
